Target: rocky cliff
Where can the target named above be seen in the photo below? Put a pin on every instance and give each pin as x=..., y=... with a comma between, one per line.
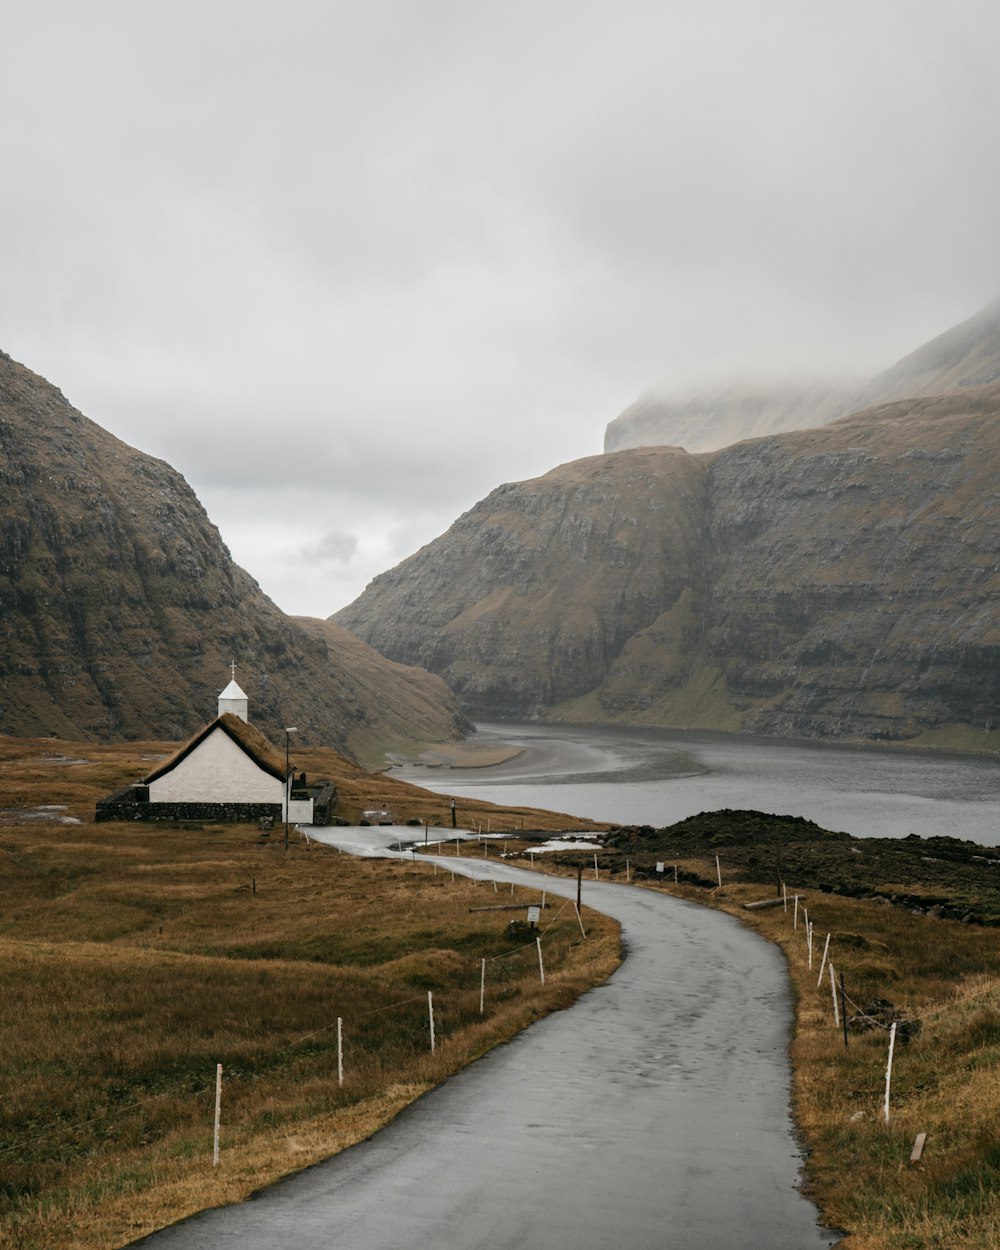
x=120, y=608
x=966, y=355
x=837, y=582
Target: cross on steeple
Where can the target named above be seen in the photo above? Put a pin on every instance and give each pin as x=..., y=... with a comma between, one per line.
x=232, y=667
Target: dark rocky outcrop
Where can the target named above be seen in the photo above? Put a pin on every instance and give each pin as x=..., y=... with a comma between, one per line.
x=839, y=582
x=120, y=607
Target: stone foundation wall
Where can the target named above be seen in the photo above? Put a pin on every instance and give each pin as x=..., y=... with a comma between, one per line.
x=132, y=803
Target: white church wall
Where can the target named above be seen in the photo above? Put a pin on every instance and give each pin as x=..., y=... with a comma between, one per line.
x=216, y=771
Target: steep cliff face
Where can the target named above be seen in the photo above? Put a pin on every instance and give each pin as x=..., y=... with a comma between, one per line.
x=966, y=355
x=530, y=596
x=839, y=582
x=120, y=607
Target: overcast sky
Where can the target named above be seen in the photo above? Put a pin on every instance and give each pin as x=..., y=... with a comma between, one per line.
x=350, y=264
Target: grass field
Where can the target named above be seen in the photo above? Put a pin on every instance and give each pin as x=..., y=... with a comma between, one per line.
x=134, y=958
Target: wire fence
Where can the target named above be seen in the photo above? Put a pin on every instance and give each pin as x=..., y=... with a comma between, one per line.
x=891, y=1021
x=62, y=1128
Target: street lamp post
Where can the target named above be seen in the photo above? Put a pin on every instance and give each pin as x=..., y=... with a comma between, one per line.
x=290, y=729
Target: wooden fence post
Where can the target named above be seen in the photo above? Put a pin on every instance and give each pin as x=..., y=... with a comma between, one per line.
x=888, y=1068
x=843, y=1008
x=340, y=1051
x=822, y=967
x=218, y=1114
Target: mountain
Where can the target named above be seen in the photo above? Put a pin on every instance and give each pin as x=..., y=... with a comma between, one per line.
x=120, y=607
x=966, y=355
x=718, y=417
x=840, y=582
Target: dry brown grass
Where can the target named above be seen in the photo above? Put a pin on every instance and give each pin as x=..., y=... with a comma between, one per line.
x=133, y=958
x=945, y=1080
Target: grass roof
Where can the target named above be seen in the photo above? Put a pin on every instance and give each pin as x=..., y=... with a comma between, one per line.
x=250, y=740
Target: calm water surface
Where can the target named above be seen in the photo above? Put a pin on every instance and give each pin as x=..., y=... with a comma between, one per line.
x=656, y=777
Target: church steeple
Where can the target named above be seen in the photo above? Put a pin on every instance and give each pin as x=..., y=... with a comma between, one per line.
x=232, y=699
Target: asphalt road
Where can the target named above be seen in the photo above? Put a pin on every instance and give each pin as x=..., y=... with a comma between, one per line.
x=653, y=1113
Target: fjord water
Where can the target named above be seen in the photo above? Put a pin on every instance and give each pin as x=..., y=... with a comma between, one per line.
x=657, y=777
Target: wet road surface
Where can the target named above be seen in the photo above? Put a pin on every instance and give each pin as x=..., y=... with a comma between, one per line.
x=653, y=1113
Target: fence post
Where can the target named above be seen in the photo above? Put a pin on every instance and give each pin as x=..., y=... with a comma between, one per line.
x=579, y=920
x=843, y=1008
x=541, y=966
x=718, y=871
x=833, y=991
x=218, y=1114
x=888, y=1068
x=430, y=1012
x=822, y=967
x=340, y=1051
x=482, y=988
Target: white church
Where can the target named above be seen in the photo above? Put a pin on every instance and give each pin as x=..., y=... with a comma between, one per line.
x=227, y=772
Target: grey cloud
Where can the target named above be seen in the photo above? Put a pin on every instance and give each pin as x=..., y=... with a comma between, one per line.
x=349, y=266
x=335, y=547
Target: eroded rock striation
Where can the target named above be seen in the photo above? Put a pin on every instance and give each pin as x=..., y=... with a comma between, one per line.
x=120, y=607
x=842, y=582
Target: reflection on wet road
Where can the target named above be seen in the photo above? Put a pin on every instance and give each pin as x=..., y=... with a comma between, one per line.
x=653, y=1113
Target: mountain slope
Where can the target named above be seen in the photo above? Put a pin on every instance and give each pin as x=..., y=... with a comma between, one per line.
x=120, y=607
x=838, y=582
x=712, y=419
x=966, y=355
x=529, y=596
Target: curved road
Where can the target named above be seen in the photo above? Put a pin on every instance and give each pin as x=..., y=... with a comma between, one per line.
x=653, y=1113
